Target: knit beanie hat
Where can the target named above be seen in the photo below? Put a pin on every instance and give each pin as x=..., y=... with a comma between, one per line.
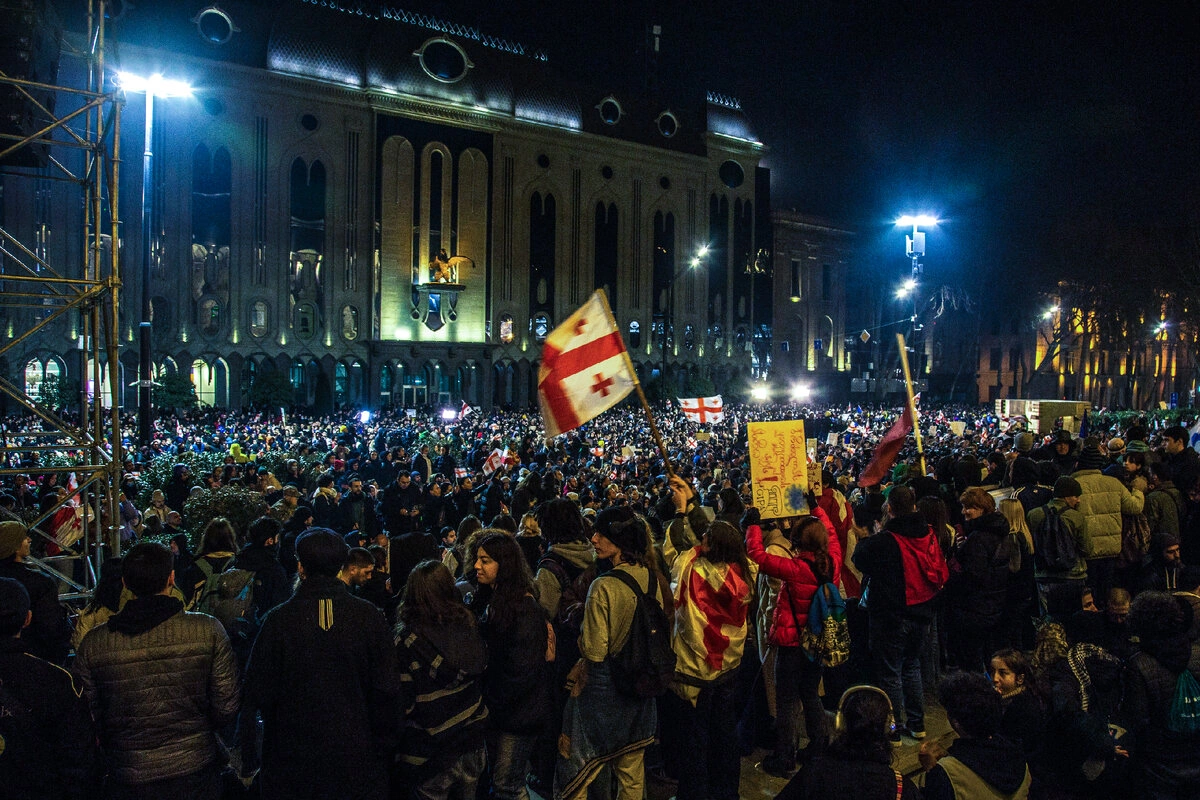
x=1024, y=442
x=1091, y=458
x=12, y=533
x=1066, y=486
x=622, y=527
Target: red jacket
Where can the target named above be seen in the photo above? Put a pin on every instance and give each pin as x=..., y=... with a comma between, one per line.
x=800, y=582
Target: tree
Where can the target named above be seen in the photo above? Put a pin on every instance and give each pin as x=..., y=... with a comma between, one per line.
x=56, y=392
x=175, y=391
x=271, y=389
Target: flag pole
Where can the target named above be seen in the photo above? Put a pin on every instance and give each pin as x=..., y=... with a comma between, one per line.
x=912, y=403
x=662, y=448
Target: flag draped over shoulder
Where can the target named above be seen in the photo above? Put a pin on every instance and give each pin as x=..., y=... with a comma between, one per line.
x=585, y=370
x=887, y=450
x=702, y=409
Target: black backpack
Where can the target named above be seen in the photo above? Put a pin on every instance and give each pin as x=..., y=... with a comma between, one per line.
x=573, y=583
x=1053, y=545
x=645, y=666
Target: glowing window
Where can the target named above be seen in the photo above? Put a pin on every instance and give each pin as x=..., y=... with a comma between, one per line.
x=258, y=318
x=506, y=329
x=610, y=110
x=541, y=327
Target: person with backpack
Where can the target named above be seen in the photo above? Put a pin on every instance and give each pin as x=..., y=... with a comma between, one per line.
x=269, y=587
x=607, y=720
x=218, y=546
x=905, y=570
x=1059, y=540
x=816, y=560
x=561, y=577
x=713, y=589
x=1103, y=501
x=1161, y=703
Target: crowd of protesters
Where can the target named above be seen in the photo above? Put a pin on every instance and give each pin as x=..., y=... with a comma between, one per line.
x=430, y=608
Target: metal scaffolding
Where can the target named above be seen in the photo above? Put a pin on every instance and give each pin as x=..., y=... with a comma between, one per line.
x=74, y=142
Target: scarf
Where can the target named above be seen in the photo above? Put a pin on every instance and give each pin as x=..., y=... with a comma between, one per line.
x=144, y=613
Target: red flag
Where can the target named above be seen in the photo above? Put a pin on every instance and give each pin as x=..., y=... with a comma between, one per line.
x=886, y=451
x=585, y=370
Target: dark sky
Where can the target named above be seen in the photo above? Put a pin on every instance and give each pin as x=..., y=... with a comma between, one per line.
x=1007, y=119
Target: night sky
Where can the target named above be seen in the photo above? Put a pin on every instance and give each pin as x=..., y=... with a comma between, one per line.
x=1009, y=120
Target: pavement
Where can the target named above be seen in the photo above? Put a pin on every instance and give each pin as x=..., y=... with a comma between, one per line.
x=757, y=785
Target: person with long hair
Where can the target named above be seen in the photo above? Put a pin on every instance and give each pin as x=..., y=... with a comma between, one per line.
x=442, y=657
x=858, y=762
x=1020, y=603
x=713, y=589
x=516, y=684
x=978, y=586
x=218, y=546
x=1014, y=679
x=797, y=677
x=605, y=724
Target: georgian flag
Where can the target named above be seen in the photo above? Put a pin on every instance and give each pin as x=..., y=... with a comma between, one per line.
x=495, y=461
x=702, y=409
x=466, y=409
x=585, y=369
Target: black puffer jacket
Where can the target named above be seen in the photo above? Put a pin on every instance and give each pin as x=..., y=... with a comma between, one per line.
x=158, y=697
x=977, y=588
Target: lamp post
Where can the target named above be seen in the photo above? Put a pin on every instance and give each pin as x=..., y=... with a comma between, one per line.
x=153, y=86
x=914, y=248
x=669, y=321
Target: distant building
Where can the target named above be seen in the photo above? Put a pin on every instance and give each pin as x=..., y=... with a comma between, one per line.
x=395, y=210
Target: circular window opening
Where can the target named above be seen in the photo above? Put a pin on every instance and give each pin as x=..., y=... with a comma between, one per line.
x=309, y=122
x=443, y=60
x=610, y=110
x=212, y=105
x=607, y=172
x=668, y=125
x=664, y=182
x=215, y=26
x=543, y=161
x=732, y=174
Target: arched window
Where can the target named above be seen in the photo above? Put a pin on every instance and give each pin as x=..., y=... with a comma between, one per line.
x=540, y=326
x=349, y=323
x=33, y=378
x=259, y=318
x=506, y=329
x=209, y=317
x=306, y=321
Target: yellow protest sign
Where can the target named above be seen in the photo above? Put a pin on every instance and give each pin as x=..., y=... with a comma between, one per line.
x=779, y=468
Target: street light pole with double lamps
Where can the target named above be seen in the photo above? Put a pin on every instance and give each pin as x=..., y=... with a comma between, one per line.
x=914, y=248
x=153, y=86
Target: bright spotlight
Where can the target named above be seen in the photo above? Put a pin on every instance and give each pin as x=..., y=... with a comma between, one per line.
x=695, y=262
x=364, y=417
x=801, y=392
x=909, y=285
x=155, y=84
x=449, y=414
x=703, y=251
x=918, y=220
x=760, y=393
x=901, y=293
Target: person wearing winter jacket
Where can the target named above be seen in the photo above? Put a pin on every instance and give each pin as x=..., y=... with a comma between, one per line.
x=1103, y=501
x=906, y=571
x=978, y=584
x=981, y=764
x=797, y=677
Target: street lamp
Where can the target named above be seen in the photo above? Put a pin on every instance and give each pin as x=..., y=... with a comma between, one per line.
x=153, y=86
x=914, y=248
x=669, y=321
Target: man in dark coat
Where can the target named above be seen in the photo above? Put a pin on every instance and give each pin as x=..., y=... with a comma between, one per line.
x=42, y=715
x=358, y=510
x=323, y=676
x=271, y=585
x=49, y=634
x=400, y=505
x=422, y=466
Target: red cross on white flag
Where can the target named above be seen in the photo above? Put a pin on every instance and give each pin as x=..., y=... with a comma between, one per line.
x=703, y=409
x=585, y=370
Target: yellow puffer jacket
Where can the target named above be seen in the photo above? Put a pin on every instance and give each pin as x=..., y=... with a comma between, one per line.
x=1102, y=503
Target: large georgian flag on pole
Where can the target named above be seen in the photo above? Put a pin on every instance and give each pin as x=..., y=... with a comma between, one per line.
x=702, y=409
x=585, y=370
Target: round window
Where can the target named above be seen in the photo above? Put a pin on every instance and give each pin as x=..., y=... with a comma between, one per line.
x=731, y=174
x=606, y=172
x=215, y=26
x=543, y=161
x=443, y=60
x=668, y=125
x=309, y=122
x=610, y=110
